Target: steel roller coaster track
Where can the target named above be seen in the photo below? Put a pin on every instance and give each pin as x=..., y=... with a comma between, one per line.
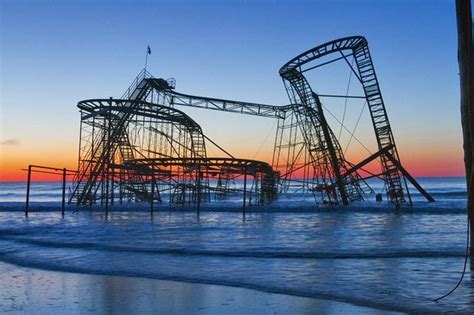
x=141, y=146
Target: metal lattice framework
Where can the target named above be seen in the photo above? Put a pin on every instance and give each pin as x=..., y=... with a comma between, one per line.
x=136, y=150
x=116, y=131
x=141, y=147
x=326, y=143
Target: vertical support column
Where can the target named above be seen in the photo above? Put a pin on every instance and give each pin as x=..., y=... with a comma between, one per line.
x=76, y=178
x=64, y=193
x=28, y=191
x=409, y=177
x=112, y=195
x=245, y=193
x=92, y=197
x=121, y=186
x=152, y=193
x=199, y=191
x=102, y=190
x=107, y=165
x=107, y=190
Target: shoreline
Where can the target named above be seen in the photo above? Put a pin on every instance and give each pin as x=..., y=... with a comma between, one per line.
x=286, y=266
x=32, y=290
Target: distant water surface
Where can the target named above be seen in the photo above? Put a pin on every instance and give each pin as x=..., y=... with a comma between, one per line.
x=367, y=254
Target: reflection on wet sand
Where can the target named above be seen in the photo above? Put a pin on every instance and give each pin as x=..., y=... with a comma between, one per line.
x=27, y=290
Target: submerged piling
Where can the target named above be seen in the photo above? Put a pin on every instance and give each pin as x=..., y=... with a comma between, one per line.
x=28, y=191
x=152, y=194
x=245, y=194
x=63, y=206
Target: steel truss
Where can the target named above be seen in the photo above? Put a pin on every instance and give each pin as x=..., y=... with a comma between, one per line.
x=116, y=131
x=140, y=147
x=184, y=177
x=300, y=91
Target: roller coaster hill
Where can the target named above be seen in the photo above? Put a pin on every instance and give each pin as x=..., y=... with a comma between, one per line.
x=141, y=147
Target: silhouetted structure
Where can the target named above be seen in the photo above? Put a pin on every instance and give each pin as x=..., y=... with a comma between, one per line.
x=140, y=147
x=466, y=72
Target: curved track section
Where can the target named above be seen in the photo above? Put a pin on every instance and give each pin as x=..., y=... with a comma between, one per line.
x=221, y=169
x=326, y=155
x=300, y=89
x=118, y=130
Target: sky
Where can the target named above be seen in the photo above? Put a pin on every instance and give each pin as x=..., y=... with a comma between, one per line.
x=56, y=53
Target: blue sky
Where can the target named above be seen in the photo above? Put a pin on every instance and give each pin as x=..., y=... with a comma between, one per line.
x=55, y=53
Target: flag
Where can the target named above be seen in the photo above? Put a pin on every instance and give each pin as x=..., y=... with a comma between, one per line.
x=148, y=50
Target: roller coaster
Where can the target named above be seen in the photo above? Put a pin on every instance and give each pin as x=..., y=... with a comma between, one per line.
x=140, y=147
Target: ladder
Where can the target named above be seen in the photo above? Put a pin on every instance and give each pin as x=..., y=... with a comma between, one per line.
x=383, y=130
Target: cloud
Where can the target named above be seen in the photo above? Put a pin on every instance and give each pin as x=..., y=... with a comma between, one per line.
x=10, y=142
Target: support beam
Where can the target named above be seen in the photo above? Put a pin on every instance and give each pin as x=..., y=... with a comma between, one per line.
x=199, y=191
x=409, y=177
x=28, y=191
x=152, y=193
x=245, y=193
x=106, y=191
x=350, y=66
x=262, y=110
x=342, y=96
x=332, y=152
x=51, y=171
x=367, y=161
x=64, y=193
x=218, y=146
x=323, y=64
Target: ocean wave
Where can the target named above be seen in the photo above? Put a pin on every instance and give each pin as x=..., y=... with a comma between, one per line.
x=453, y=193
x=243, y=254
x=389, y=256
x=440, y=208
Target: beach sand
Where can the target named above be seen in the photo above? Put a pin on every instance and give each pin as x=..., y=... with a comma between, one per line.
x=34, y=291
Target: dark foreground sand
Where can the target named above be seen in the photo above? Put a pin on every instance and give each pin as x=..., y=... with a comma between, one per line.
x=34, y=291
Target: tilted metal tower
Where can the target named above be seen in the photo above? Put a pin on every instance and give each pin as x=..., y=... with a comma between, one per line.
x=325, y=143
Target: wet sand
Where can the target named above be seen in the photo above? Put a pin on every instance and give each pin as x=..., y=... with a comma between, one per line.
x=34, y=291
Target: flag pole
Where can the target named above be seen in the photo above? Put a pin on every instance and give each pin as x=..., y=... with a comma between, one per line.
x=148, y=52
x=146, y=58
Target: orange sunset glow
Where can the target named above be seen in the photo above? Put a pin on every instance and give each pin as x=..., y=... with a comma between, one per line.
x=423, y=164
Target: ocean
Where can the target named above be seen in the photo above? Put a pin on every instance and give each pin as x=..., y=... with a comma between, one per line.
x=367, y=254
